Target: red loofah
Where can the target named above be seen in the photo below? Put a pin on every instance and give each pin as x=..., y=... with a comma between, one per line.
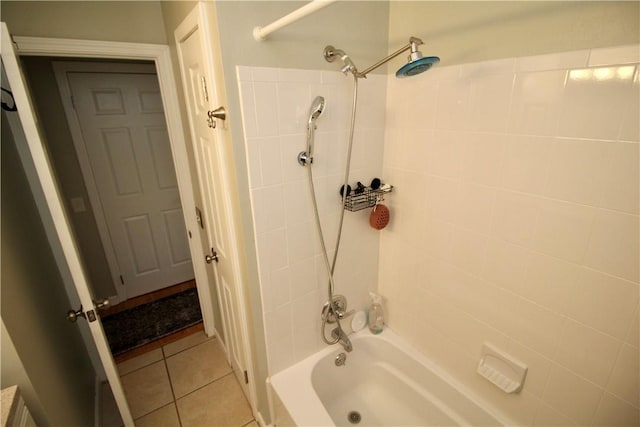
x=379, y=217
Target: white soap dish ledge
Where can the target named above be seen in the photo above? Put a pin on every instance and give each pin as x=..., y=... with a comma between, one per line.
x=501, y=369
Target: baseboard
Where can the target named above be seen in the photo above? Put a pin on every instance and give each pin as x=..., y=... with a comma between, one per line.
x=261, y=422
x=222, y=343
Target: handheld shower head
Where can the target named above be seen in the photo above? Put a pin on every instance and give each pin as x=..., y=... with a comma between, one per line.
x=317, y=107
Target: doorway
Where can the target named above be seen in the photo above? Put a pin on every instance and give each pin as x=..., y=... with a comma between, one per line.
x=115, y=170
x=160, y=55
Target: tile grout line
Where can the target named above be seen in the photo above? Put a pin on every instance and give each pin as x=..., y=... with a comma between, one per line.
x=173, y=394
x=207, y=384
x=231, y=372
x=190, y=347
x=252, y=420
x=163, y=355
x=141, y=367
x=175, y=399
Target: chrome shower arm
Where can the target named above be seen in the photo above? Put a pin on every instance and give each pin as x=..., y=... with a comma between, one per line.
x=414, y=42
x=331, y=54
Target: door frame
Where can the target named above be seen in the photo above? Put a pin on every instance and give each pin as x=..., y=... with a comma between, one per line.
x=60, y=70
x=160, y=56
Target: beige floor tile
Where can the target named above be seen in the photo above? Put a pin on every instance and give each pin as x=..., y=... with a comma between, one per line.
x=185, y=343
x=220, y=403
x=167, y=416
x=196, y=367
x=253, y=423
x=147, y=389
x=139, y=361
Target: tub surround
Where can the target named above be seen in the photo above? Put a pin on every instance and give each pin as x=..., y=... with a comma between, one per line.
x=275, y=106
x=517, y=185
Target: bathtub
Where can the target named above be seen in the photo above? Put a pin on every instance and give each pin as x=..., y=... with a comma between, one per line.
x=384, y=382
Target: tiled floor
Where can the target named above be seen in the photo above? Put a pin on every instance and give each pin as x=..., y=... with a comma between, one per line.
x=186, y=383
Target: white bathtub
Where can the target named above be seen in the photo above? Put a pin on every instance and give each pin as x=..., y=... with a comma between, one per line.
x=387, y=382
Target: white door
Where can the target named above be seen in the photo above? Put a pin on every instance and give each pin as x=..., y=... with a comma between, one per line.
x=209, y=151
x=45, y=176
x=125, y=139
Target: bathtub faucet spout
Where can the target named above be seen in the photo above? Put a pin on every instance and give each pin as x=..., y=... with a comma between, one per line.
x=342, y=339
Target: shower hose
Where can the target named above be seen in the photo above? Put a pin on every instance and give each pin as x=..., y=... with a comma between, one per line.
x=331, y=267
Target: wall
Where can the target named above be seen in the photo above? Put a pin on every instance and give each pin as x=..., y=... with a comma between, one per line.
x=34, y=302
x=513, y=202
x=46, y=97
x=517, y=188
x=132, y=21
x=468, y=31
x=292, y=272
x=358, y=27
x=13, y=372
x=124, y=21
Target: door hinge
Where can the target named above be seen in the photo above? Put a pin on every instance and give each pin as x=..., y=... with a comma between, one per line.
x=121, y=279
x=246, y=377
x=73, y=102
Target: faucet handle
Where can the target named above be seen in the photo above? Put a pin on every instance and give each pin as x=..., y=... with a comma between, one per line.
x=337, y=309
x=339, y=335
x=342, y=314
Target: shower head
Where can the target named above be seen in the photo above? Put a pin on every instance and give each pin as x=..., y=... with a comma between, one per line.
x=317, y=107
x=417, y=66
x=417, y=63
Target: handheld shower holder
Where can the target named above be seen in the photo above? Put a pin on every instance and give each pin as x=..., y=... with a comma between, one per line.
x=304, y=158
x=330, y=54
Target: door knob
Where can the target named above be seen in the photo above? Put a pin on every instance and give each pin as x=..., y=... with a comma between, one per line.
x=218, y=113
x=213, y=256
x=72, y=315
x=102, y=304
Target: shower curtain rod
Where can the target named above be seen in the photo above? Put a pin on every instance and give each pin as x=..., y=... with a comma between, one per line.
x=261, y=33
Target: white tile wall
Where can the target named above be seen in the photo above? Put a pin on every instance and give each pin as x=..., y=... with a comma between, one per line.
x=516, y=185
x=518, y=190
x=275, y=106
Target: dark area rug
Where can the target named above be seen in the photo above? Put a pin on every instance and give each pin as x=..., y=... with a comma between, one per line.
x=140, y=325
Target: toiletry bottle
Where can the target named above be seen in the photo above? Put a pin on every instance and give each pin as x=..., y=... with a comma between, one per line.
x=376, y=315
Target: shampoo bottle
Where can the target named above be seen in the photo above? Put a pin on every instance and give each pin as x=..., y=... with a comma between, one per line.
x=375, y=315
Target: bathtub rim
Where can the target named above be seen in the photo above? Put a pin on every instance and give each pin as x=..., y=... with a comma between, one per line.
x=311, y=410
